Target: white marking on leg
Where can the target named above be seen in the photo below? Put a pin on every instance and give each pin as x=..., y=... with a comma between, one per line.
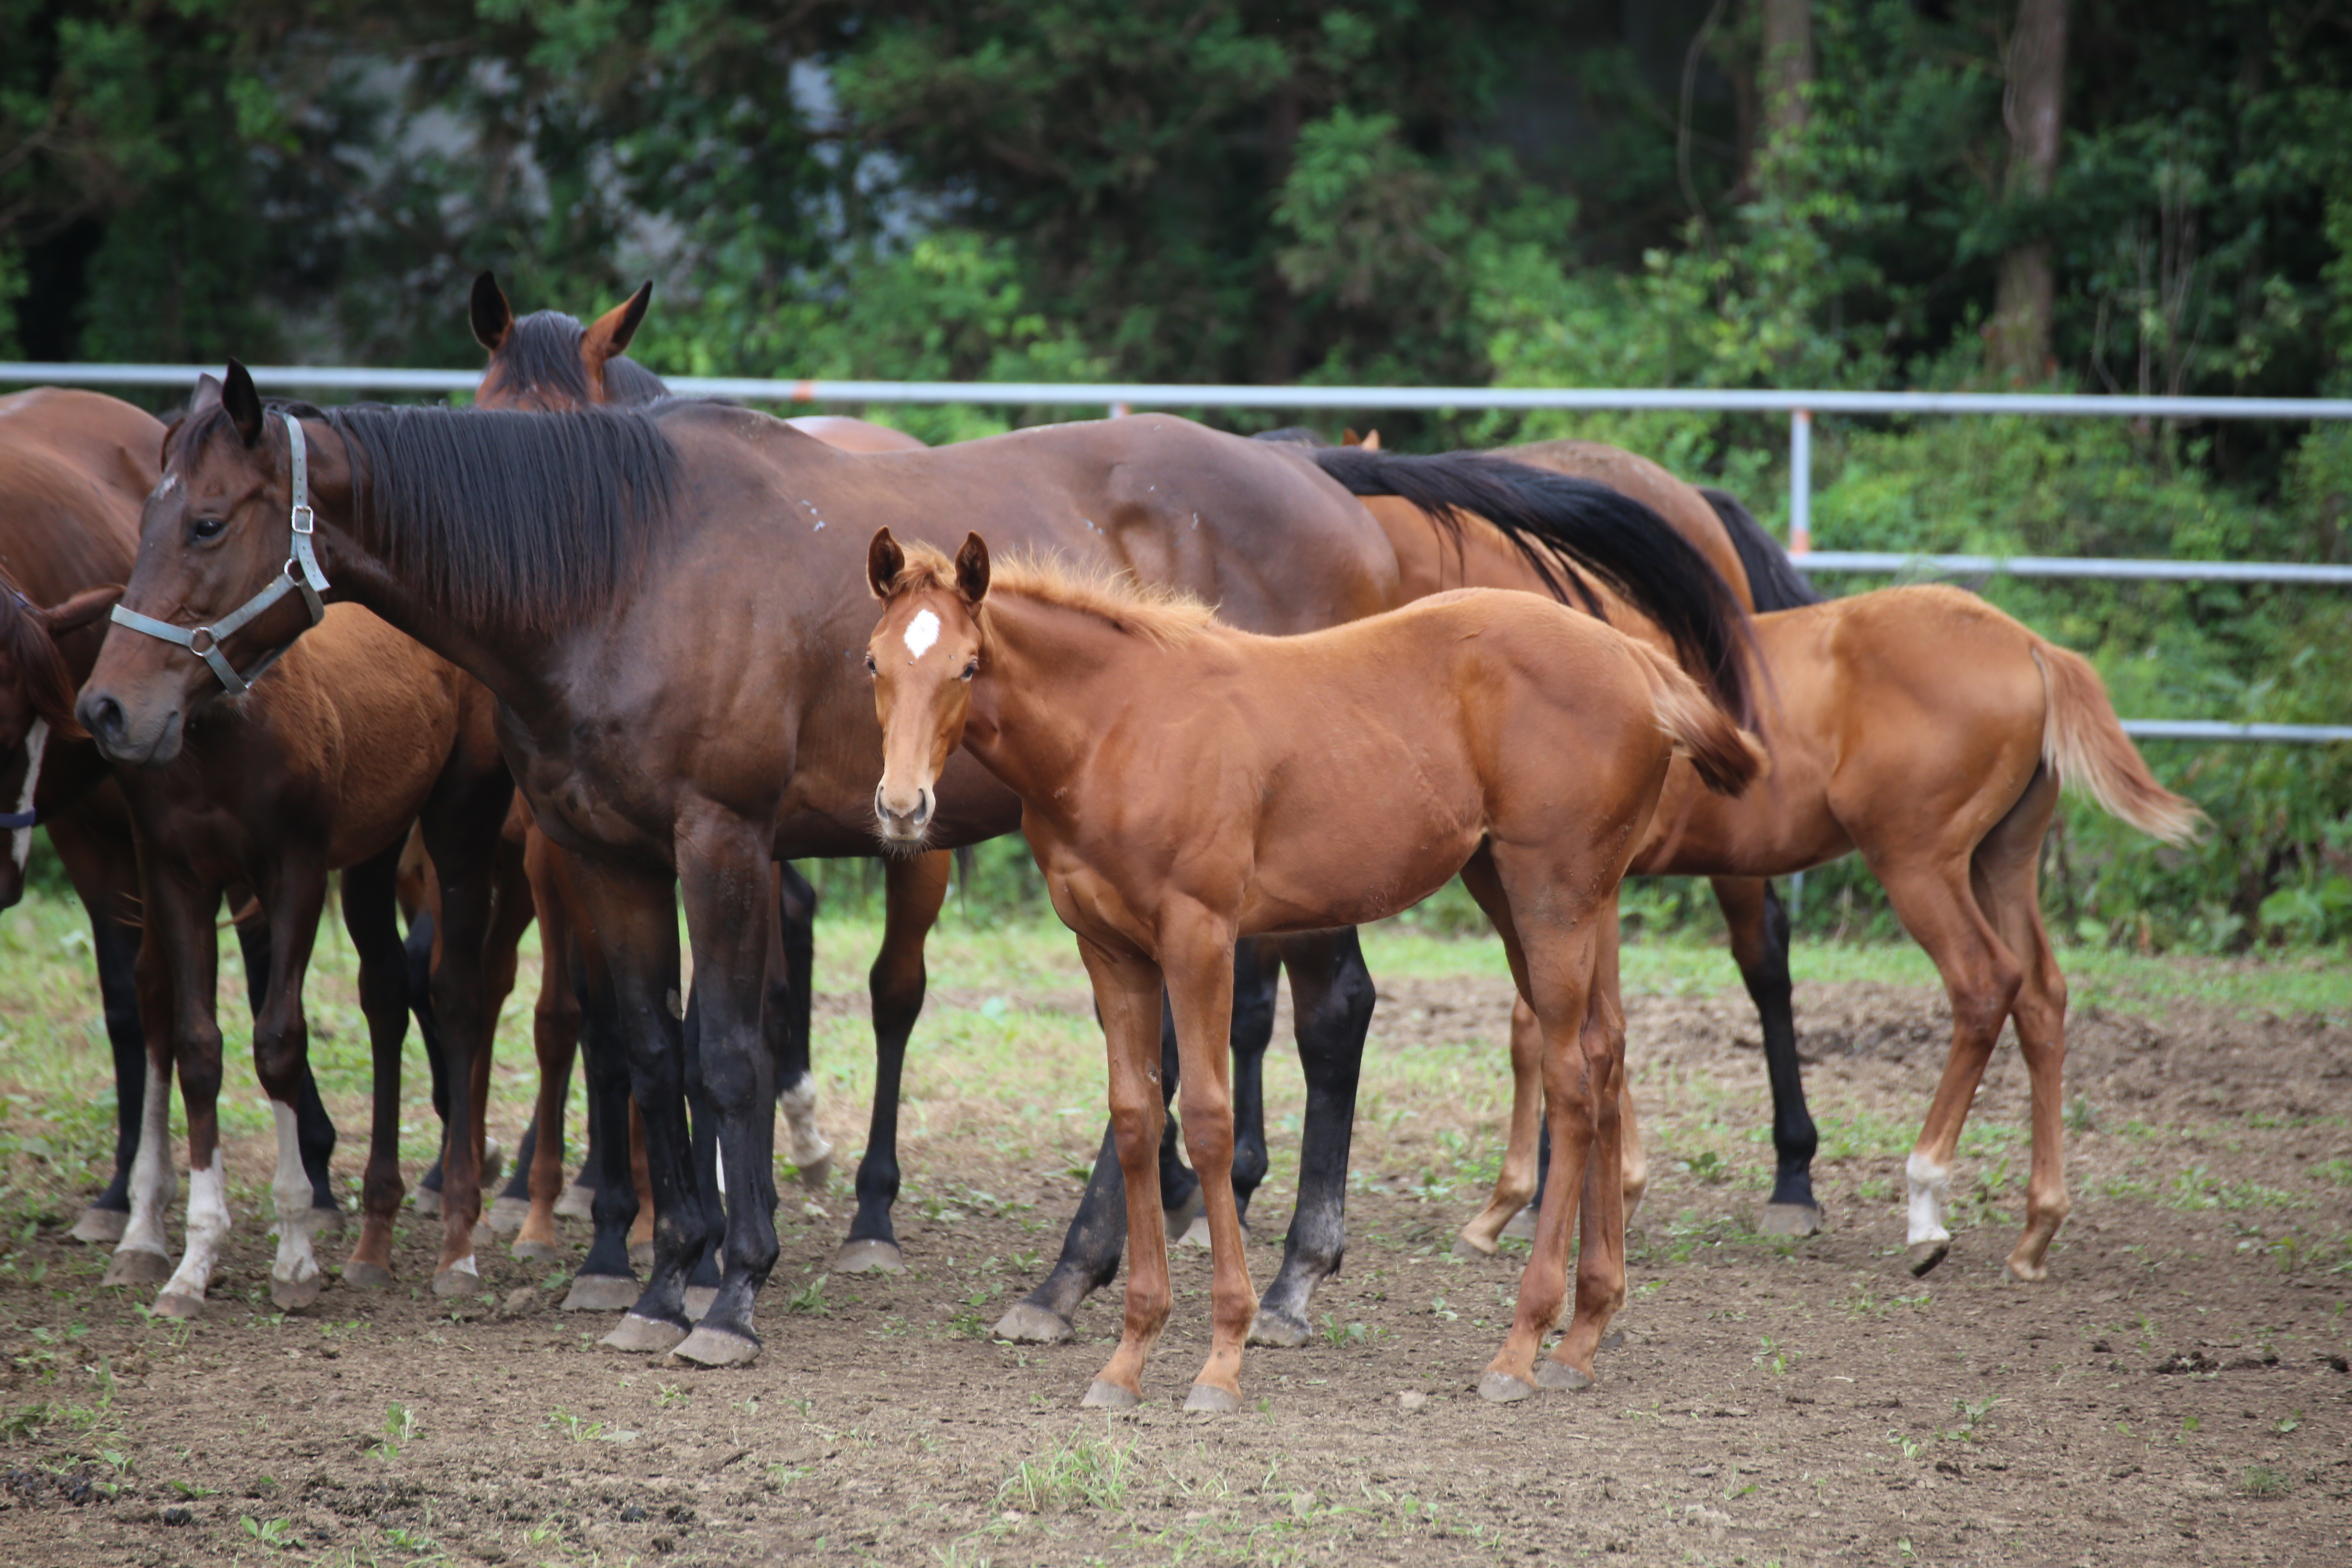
x=20, y=842
x=922, y=632
x=151, y=1179
x=465, y=1266
x=718, y=1163
x=809, y=1142
x=207, y=1229
x=297, y=1220
x=1930, y=1184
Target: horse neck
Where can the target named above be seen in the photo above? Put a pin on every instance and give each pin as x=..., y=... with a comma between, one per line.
x=1052, y=679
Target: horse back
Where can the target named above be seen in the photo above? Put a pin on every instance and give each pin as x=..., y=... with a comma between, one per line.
x=1682, y=506
x=74, y=467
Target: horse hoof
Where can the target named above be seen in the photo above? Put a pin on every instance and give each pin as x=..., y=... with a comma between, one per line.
x=1101, y=1396
x=1210, y=1397
x=1521, y=1227
x=326, y=1219
x=641, y=1254
x=428, y=1203
x=716, y=1347
x=1180, y=1218
x=1790, y=1219
x=1027, y=1324
x=362, y=1276
x=507, y=1215
x=577, y=1203
x=698, y=1301
x=457, y=1281
x=644, y=1335
x=536, y=1252
x=173, y=1304
x=1550, y=1373
x=1279, y=1329
x=1197, y=1233
x=1502, y=1388
x=137, y=1266
x=98, y=1225
x=817, y=1174
x=294, y=1295
x=869, y=1257
x=602, y=1293
x=1468, y=1246
x=2027, y=1273
x=1926, y=1255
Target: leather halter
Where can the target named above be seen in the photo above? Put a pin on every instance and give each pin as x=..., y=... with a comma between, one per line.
x=301, y=572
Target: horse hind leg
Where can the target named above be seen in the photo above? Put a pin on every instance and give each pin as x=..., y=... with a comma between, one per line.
x=914, y=888
x=1760, y=945
x=794, y=994
x=2007, y=886
x=1938, y=908
x=1515, y=1186
x=368, y=915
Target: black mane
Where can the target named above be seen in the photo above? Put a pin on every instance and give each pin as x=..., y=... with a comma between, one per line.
x=541, y=353
x=1773, y=580
x=499, y=514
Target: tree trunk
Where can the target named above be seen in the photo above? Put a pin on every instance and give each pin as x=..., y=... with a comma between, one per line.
x=2034, y=108
x=1787, y=69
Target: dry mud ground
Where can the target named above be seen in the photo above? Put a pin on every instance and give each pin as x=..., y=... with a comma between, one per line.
x=2177, y=1393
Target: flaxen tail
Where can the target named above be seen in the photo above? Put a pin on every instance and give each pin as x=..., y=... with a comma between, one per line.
x=2085, y=744
x=1728, y=759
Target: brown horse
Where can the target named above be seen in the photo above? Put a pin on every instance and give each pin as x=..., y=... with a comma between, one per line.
x=1184, y=784
x=73, y=467
x=666, y=630
x=356, y=734
x=1931, y=732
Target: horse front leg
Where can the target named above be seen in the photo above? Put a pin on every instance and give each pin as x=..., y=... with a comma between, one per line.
x=1127, y=994
x=103, y=866
x=180, y=915
x=142, y=1258
x=730, y=912
x=369, y=906
x=281, y=1050
x=915, y=886
x=1201, y=991
x=1759, y=943
x=790, y=994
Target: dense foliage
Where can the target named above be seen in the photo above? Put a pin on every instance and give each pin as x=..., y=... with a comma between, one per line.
x=1546, y=192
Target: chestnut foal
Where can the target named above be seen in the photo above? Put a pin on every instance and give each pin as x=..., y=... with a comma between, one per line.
x=1184, y=784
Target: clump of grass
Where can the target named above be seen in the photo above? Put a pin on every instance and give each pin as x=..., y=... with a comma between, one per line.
x=2261, y=1481
x=1082, y=1473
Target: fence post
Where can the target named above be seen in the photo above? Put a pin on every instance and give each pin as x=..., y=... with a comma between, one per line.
x=1801, y=481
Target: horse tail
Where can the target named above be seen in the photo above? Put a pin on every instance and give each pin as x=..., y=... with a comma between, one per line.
x=2085, y=744
x=1559, y=523
x=1727, y=758
x=1773, y=580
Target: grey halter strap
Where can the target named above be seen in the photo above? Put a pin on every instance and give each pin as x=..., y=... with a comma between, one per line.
x=301, y=572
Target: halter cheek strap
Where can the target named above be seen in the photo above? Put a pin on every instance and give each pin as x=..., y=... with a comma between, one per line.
x=301, y=572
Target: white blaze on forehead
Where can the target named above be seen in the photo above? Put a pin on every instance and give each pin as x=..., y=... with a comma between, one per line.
x=922, y=632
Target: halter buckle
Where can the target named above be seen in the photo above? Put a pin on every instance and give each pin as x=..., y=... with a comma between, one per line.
x=211, y=642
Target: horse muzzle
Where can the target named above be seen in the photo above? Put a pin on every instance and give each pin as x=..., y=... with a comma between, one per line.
x=147, y=740
x=901, y=821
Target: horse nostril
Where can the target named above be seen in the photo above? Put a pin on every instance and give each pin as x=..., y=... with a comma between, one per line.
x=101, y=715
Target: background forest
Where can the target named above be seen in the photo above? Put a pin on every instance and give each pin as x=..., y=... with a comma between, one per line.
x=2081, y=194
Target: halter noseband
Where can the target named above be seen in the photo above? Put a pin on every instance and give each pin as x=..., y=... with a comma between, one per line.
x=301, y=572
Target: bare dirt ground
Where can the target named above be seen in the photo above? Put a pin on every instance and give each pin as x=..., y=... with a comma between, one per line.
x=2178, y=1393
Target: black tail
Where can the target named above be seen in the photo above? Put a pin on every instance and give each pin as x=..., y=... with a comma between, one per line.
x=1773, y=580
x=1549, y=516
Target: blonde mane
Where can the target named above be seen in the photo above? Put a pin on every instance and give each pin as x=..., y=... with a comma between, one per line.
x=1168, y=618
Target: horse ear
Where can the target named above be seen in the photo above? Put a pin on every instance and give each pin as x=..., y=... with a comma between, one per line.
x=883, y=561
x=242, y=403
x=971, y=569
x=80, y=610
x=492, y=317
x=207, y=393
x=1372, y=442
x=609, y=334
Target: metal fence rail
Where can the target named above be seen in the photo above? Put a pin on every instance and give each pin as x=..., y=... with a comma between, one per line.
x=1122, y=397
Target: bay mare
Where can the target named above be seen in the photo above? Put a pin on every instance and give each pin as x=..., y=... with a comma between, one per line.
x=1185, y=785
x=74, y=468
x=668, y=605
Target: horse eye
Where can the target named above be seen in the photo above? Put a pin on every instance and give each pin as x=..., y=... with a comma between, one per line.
x=870, y=668
x=971, y=669
x=206, y=528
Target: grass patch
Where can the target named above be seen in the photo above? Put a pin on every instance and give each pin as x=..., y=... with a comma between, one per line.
x=1083, y=1472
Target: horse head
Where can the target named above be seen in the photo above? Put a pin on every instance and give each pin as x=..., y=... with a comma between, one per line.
x=923, y=656
x=548, y=360
x=216, y=549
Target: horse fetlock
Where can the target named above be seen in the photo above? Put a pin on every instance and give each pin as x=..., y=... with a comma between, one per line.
x=1930, y=1186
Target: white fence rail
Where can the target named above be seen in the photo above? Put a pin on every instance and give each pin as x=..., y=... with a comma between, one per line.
x=1122, y=397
